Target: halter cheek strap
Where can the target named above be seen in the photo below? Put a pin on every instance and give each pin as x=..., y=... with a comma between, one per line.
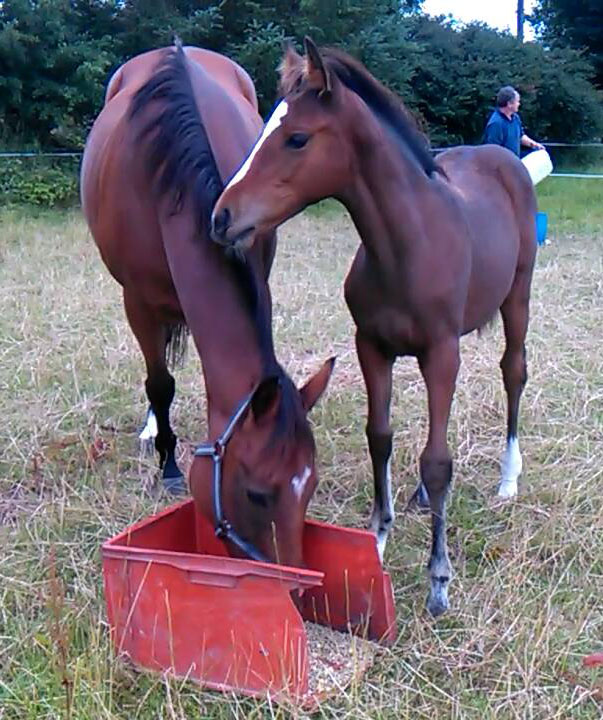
x=224, y=529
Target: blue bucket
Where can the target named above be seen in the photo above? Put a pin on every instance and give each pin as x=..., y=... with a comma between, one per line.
x=541, y=222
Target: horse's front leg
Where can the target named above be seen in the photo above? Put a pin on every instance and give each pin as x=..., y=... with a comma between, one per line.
x=439, y=366
x=377, y=371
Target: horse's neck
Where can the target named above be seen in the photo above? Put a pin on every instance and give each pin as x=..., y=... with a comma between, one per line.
x=386, y=202
x=234, y=340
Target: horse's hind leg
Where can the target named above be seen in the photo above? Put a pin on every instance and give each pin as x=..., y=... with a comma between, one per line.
x=515, y=314
x=160, y=386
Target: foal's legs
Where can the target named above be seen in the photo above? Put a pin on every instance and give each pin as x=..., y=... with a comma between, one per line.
x=160, y=385
x=439, y=366
x=377, y=371
x=515, y=312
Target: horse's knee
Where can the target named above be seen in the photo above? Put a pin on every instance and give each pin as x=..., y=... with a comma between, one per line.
x=160, y=390
x=514, y=367
x=436, y=475
x=380, y=443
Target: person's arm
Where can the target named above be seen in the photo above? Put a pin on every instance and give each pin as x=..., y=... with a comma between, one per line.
x=528, y=142
x=493, y=134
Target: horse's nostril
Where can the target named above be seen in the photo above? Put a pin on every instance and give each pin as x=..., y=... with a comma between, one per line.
x=221, y=221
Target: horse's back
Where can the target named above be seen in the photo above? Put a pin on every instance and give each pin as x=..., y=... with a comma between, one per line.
x=495, y=196
x=136, y=71
x=484, y=171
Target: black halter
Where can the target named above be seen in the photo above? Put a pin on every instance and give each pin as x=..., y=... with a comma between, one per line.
x=224, y=529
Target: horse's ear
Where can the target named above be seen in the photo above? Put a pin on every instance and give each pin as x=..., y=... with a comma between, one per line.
x=315, y=67
x=265, y=400
x=316, y=385
x=290, y=67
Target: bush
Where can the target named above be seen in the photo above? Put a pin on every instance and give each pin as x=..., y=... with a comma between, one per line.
x=43, y=182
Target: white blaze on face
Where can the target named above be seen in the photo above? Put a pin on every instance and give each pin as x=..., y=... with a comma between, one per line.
x=273, y=122
x=298, y=482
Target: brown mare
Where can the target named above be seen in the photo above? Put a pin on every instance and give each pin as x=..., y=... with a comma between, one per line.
x=445, y=244
x=176, y=122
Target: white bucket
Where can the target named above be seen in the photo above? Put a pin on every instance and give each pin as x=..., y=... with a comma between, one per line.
x=538, y=164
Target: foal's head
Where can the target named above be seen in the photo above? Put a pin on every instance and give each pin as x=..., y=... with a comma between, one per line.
x=331, y=114
x=269, y=473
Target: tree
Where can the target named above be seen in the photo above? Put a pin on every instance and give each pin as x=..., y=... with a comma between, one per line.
x=56, y=57
x=51, y=70
x=573, y=23
x=459, y=73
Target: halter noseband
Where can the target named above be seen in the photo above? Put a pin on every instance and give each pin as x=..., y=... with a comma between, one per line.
x=224, y=529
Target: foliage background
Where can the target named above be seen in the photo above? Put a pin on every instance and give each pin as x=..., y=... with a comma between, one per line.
x=56, y=57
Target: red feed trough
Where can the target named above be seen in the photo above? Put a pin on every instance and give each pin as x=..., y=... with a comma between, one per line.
x=176, y=602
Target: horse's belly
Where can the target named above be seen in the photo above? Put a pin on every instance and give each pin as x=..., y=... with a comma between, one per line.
x=488, y=288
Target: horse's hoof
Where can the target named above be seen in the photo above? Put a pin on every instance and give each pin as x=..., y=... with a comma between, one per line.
x=419, y=500
x=507, y=490
x=175, y=485
x=437, y=602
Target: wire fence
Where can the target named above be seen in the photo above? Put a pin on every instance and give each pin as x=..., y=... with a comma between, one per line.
x=578, y=175
x=561, y=173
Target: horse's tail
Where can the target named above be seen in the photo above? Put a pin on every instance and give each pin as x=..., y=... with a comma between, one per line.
x=175, y=349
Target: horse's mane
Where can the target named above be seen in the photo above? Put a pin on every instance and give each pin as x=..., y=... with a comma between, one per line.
x=178, y=152
x=179, y=158
x=384, y=104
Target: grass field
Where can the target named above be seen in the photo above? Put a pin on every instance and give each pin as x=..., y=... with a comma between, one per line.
x=528, y=591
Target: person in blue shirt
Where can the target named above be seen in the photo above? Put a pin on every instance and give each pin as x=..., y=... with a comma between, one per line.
x=504, y=126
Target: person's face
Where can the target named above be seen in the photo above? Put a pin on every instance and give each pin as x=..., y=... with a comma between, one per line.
x=513, y=105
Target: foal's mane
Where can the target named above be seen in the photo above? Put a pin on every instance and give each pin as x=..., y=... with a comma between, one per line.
x=384, y=104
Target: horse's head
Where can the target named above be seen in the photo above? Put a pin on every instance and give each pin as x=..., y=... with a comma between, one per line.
x=302, y=156
x=268, y=472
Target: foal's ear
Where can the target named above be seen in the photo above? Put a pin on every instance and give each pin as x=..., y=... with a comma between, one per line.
x=265, y=400
x=316, y=385
x=315, y=67
x=290, y=67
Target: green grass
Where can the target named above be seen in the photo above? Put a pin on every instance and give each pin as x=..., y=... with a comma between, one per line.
x=529, y=575
x=574, y=206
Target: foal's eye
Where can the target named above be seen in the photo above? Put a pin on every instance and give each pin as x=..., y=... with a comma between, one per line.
x=297, y=141
x=258, y=498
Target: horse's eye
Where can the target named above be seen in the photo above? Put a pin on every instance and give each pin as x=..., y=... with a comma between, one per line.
x=297, y=141
x=258, y=498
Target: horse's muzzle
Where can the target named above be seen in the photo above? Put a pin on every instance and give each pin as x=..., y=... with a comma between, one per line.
x=220, y=222
x=223, y=233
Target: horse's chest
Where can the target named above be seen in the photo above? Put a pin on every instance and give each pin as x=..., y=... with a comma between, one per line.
x=388, y=320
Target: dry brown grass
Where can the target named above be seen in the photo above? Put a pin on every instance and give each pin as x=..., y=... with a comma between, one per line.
x=527, y=596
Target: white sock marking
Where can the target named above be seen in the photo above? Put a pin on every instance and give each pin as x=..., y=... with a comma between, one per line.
x=149, y=431
x=273, y=122
x=376, y=518
x=511, y=469
x=299, y=483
